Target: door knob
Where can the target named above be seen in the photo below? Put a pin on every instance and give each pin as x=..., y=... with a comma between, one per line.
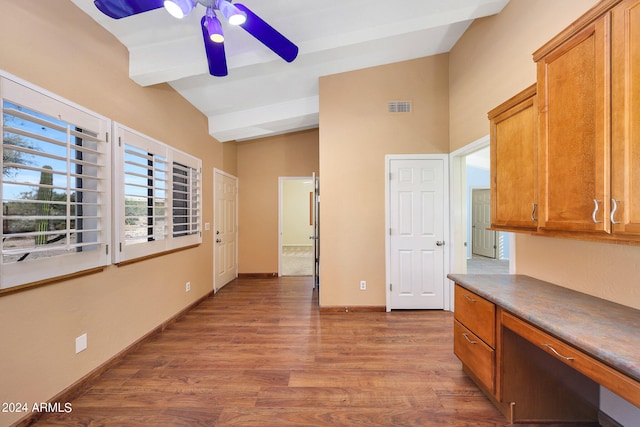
x=439, y=242
x=218, y=241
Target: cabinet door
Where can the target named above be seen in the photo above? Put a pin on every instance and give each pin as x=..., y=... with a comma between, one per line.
x=626, y=112
x=574, y=108
x=514, y=163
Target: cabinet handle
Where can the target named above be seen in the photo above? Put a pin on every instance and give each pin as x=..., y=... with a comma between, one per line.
x=469, y=340
x=534, y=208
x=614, y=202
x=556, y=353
x=595, y=210
x=468, y=298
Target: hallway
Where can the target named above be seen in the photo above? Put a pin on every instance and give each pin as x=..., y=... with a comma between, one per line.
x=259, y=353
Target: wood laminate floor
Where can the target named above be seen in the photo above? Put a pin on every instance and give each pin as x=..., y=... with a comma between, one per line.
x=259, y=353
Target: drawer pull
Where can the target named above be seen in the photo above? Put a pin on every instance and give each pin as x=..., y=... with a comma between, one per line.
x=468, y=298
x=556, y=353
x=469, y=340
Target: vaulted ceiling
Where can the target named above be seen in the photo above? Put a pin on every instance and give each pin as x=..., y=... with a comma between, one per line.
x=263, y=95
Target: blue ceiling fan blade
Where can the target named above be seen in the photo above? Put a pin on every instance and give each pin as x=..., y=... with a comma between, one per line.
x=267, y=35
x=117, y=9
x=215, y=53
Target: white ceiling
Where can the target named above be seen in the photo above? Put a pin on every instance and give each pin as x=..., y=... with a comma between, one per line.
x=264, y=95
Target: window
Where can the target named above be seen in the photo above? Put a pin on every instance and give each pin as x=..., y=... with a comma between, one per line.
x=157, y=197
x=56, y=189
x=55, y=186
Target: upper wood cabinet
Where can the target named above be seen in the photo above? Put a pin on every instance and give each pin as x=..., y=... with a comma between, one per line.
x=514, y=155
x=586, y=111
x=574, y=129
x=625, y=70
x=589, y=101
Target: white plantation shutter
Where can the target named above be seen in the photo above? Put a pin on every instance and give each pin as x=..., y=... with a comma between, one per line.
x=55, y=186
x=186, y=200
x=157, y=196
x=145, y=195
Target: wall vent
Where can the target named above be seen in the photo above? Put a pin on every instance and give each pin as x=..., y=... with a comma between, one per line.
x=399, y=106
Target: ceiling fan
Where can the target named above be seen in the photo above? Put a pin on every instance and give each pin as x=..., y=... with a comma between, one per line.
x=236, y=14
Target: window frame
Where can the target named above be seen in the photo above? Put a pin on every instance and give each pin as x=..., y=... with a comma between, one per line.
x=125, y=248
x=74, y=261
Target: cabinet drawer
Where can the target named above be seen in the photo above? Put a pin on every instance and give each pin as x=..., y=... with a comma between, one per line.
x=614, y=380
x=478, y=357
x=477, y=314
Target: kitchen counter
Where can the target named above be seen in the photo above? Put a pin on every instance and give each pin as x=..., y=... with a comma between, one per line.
x=605, y=330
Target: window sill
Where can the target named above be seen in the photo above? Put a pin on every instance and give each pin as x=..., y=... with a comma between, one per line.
x=50, y=281
x=156, y=255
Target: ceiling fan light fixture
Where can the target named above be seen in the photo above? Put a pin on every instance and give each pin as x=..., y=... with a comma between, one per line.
x=232, y=14
x=214, y=27
x=179, y=8
x=210, y=25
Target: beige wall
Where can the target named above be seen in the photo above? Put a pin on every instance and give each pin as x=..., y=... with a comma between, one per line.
x=56, y=46
x=230, y=159
x=356, y=132
x=260, y=163
x=492, y=62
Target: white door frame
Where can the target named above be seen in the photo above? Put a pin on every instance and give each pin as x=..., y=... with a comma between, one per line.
x=281, y=180
x=217, y=172
x=387, y=197
x=458, y=212
x=458, y=191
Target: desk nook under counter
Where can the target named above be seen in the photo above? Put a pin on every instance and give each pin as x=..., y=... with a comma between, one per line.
x=540, y=351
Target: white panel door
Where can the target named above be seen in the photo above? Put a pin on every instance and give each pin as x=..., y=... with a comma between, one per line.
x=225, y=231
x=417, y=231
x=483, y=241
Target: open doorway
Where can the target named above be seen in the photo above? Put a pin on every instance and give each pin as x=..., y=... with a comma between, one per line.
x=475, y=249
x=296, y=244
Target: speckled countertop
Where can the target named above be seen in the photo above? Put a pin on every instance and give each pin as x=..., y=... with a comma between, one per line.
x=605, y=330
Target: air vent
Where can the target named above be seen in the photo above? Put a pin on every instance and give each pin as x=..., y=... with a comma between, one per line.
x=399, y=106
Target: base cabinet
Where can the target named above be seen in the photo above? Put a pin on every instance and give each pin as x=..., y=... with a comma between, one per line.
x=514, y=367
x=474, y=332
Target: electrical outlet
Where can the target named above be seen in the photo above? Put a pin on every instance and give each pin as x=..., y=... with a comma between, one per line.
x=187, y=287
x=363, y=285
x=81, y=343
